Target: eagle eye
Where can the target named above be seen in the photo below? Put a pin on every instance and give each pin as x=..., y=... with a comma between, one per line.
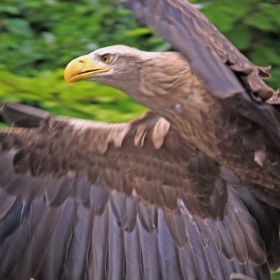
x=106, y=58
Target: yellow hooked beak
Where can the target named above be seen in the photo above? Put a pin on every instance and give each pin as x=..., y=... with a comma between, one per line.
x=82, y=68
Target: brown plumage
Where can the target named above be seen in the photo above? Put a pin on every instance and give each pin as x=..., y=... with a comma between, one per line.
x=189, y=190
x=203, y=45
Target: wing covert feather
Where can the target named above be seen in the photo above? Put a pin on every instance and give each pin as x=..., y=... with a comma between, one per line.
x=64, y=148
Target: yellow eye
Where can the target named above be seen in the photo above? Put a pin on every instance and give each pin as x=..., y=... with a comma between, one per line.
x=105, y=58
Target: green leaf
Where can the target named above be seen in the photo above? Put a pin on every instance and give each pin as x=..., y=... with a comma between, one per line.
x=217, y=16
x=19, y=27
x=240, y=36
x=275, y=276
x=138, y=32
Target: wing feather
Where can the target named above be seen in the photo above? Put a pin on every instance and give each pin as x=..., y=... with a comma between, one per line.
x=75, y=221
x=211, y=56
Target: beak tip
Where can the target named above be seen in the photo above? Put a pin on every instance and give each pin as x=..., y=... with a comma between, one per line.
x=67, y=73
x=74, y=67
x=66, y=80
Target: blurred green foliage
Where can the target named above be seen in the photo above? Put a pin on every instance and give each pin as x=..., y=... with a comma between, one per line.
x=46, y=34
x=38, y=38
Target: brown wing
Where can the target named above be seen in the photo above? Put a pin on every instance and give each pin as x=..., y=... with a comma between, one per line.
x=84, y=200
x=211, y=56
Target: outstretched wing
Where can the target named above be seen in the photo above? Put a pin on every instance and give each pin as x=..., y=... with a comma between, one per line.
x=85, y=200
x=211, y=56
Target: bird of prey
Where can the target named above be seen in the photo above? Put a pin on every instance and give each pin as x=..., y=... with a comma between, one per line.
x=189, y=190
